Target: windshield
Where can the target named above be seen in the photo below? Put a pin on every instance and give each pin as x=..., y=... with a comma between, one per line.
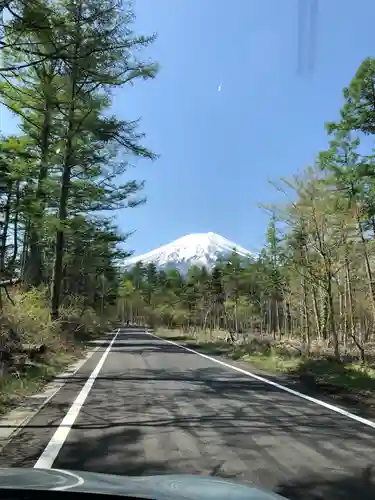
x=187, y=223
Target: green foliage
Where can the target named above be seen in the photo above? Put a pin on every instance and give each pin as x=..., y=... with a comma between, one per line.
x=223, y=295
x=67, y=169
x=313, y=282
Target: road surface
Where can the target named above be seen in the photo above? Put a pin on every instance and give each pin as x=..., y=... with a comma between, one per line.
x=155, y=408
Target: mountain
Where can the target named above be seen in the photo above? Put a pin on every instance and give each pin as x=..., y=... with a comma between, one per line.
x=201, y=249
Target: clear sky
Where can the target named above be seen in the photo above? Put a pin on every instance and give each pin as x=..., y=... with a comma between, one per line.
x=218, y=149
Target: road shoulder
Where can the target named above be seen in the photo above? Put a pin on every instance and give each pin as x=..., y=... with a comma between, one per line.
x=356, y=404
x=13, y=422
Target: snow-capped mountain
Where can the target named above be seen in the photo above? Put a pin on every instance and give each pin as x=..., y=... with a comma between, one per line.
x=201, y=249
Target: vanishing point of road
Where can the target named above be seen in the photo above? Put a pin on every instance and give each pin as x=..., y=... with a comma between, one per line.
x=141, y=405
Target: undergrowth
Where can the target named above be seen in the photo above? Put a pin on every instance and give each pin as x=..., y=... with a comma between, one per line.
x=25, y=320
x=318, y=369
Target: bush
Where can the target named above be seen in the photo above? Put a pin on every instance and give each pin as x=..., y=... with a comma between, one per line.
x=80, y=322
x=33, y=348
x=27, y=316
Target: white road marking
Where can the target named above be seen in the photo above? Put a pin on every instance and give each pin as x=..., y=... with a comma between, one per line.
x=53, y=448
x=66, y=376
x=11, y=425
x=329, y=406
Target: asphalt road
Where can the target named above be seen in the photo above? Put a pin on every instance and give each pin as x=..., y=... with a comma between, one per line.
x=155, y=408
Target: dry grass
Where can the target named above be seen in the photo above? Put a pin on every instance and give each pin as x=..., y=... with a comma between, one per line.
x=26, y=320
x=287, y=358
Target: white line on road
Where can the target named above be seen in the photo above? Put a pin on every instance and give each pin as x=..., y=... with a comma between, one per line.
x=53, y=448
x=16, y=420
x=329, y=406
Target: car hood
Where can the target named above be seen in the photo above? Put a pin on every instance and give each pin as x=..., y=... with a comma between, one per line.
x=160, y=487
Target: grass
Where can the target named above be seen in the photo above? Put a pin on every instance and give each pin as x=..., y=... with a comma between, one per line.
x=66, y=341
x=14, y=389
x=352, y=377
x=319, y=371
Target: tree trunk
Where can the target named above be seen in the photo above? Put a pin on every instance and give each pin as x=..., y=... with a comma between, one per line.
x=306, y=317
x=34, y=265
x=350, y=297
x=4, y=233
x=316, y=313
x=66, y=175
x=332, y=322
x=371, y=284
x=63, y=213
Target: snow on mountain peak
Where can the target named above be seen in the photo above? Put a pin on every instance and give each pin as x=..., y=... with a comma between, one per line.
x=201, y=249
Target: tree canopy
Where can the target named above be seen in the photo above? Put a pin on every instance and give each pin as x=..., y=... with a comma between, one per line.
x=314, y=279
x=62, y=176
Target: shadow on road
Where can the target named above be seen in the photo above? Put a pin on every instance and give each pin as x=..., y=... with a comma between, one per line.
x=189, y=420
x=154, y=414
x=319, y=378
x=113, y=453
x=231, y=404
x=360, y=486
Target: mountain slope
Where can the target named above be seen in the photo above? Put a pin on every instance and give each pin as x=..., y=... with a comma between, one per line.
x=201, y=249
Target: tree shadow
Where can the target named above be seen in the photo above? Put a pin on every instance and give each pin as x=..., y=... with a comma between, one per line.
x=182, y=414
x=348, y=487
x=212, y=348
x=114, y=452
x=223, y=416
x=317, y=377
x=349, y=387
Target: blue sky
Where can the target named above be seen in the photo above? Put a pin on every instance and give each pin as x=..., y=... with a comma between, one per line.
x=218, y=149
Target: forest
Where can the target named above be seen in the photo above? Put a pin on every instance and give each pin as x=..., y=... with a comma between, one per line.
x=314, y=279
x=64, y=174
x=64, y=168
